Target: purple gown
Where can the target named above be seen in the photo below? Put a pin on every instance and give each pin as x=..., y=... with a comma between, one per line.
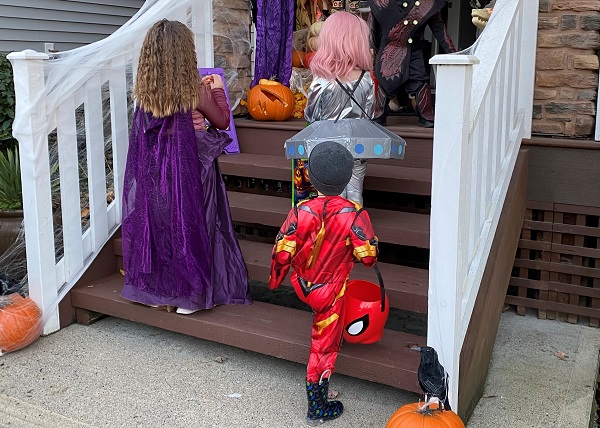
x=228, y=274
x=179, y=246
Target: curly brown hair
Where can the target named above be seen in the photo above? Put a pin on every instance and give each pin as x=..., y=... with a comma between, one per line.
x=167, y=79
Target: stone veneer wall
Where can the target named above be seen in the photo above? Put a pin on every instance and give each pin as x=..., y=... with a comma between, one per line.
x=566, y=82
x=232, y=44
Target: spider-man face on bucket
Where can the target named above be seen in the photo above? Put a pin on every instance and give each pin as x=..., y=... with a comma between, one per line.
x=363, y=318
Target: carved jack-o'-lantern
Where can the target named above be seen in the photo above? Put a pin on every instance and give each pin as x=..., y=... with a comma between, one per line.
x=270, y=100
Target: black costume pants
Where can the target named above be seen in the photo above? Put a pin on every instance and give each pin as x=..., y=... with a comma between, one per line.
x=417, y=73
x=417, y=76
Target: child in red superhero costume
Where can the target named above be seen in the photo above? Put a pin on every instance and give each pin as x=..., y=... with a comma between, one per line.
x=320, y=239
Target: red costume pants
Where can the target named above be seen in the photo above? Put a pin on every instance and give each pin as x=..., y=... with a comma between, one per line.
x=327, y=302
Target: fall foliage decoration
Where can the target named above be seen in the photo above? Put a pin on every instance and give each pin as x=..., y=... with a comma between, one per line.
x=270, y=100
x=309, y=11
x=20, y=323
x=299, y=105
x=421, y=415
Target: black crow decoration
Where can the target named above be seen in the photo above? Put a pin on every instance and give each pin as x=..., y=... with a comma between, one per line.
x=432, y=376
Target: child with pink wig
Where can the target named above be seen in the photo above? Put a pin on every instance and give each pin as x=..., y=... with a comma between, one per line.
x=342, y=65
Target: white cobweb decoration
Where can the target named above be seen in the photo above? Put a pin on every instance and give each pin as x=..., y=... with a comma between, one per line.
x=65, y=73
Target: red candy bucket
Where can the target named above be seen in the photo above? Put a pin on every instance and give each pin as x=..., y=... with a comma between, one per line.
x=366, y=312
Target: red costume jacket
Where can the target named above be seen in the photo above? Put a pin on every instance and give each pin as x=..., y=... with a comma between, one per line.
x=320, y=239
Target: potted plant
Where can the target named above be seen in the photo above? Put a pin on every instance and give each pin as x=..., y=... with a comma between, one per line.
x=7, y=105
x=11, y=202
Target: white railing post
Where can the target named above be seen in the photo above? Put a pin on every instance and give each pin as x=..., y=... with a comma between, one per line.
x=528, y=30
x=28, y=68
x=119, y=127
x=450, y=210
x=202, y=26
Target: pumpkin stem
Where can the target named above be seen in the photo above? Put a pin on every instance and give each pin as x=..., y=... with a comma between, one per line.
x=427, y=409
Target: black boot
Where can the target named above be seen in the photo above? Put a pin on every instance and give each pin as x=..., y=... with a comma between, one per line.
x=319, y=409
x=423, y=105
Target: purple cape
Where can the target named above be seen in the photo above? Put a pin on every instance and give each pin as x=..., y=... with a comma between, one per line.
x=167, y=251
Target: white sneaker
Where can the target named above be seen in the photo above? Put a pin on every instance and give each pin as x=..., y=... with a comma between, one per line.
x=184, y=311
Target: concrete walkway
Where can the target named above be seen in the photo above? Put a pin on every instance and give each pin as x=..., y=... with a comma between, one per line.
x=120, y=374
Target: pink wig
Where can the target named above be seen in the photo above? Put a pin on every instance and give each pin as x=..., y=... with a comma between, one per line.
x=343, y=46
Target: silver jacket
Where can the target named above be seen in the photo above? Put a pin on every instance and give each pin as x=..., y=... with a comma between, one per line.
x=325, y=101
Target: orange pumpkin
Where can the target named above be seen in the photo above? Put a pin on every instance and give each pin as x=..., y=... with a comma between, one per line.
x=20, y=323
x=270, y=100
x=308, y=58
x=297, y=59
x=416, y=415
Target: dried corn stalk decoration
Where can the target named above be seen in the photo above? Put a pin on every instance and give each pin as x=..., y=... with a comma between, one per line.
x=310, y=11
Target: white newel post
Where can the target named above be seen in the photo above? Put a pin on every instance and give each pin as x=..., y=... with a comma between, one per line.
x=28, y=69
x=202, y=26
x=450, y=210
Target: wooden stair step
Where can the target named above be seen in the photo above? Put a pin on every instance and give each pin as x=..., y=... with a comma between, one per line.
x=401, y=125
x=394, y=227
x=267, y=138
x=390, y=178
x=405, y=287
x=261, y=327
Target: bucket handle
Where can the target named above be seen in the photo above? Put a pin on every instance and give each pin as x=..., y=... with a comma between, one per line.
x=380, y=279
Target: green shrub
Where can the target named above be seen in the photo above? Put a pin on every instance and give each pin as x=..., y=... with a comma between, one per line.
x=7, y=105
x=10, y=181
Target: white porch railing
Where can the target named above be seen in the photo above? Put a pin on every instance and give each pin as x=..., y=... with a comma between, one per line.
x=484, y=104
x=49, y=96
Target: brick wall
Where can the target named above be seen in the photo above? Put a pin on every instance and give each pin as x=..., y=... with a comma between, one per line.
x=232, y=43
x=567, y=68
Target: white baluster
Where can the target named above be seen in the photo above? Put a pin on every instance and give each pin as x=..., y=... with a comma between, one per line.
x=69, y=188
x=94, y=135
x=119, y=126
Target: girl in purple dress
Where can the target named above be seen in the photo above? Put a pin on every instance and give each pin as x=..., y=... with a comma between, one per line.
x=179, y=246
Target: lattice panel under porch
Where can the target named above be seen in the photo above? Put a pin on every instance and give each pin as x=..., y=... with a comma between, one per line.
x=557, y=265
